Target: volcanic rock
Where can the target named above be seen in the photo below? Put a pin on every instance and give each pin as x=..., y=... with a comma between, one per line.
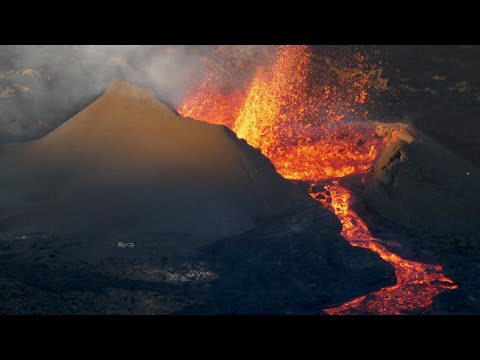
x=394, y=132
x=425, y=187
x=128, y=164
x=287, y=264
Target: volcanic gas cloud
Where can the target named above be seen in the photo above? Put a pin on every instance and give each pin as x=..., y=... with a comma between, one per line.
x=314, y=127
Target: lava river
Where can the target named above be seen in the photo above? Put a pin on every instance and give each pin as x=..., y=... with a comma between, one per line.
x=314, y=131
x=417, y=283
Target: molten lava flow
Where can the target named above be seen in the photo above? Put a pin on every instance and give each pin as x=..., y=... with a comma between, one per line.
x=300, y=126
x=303, y=122
x=417, y=283
x=347, y=149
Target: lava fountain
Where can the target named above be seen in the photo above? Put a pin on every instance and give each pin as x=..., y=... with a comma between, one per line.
x=310, y=127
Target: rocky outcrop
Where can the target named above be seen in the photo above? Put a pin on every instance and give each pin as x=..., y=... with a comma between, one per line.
x=425, y=187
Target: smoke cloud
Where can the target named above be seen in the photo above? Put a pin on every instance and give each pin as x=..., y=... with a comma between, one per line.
x=43, y=86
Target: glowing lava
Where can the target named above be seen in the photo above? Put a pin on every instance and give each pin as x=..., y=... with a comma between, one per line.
x=302, y=126
x=417, y=283
x=304, y=123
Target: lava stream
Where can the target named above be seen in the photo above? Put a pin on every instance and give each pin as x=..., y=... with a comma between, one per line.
x=417, y=284
x=312, y=125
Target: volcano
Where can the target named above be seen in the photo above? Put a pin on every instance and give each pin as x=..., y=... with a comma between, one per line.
x=129, y=164
x=274, y=187
x=130, y=208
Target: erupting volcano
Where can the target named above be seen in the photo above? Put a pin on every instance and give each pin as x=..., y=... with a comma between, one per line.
x=313, y=127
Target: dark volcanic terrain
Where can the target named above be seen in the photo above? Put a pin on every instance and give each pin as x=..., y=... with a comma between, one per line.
x=92, y=192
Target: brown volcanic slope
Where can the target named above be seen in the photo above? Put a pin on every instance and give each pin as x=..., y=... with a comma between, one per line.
x=425, y=187
x=127, y=163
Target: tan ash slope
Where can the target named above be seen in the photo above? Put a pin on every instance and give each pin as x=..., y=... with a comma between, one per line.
x=127, y=163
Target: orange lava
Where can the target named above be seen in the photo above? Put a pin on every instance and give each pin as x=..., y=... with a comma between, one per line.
x=296, y=123
x=417, y=283
x=310, y=127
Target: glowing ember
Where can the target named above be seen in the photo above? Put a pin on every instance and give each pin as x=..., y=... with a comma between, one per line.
x=303, y=123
